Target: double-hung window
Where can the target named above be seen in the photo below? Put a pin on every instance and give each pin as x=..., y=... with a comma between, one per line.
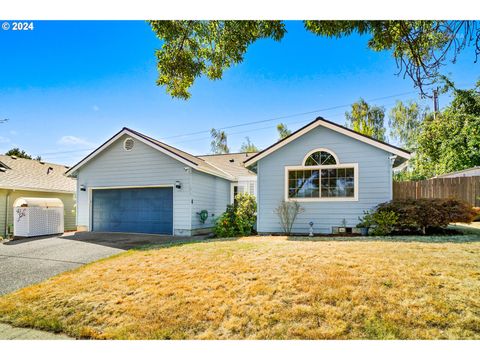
x=322, y=178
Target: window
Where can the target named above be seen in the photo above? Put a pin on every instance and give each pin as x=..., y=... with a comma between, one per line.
x=321, y=178
x=320, y=157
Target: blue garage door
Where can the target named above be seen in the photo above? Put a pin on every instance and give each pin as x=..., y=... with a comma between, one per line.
x=136, y=210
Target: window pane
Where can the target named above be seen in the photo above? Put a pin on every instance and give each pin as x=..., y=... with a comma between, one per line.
x=304, y=185
x=320, y=158
x=337, y=182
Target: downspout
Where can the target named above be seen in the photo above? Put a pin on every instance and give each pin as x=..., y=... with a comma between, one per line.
x=392, y=159
x=7, y=200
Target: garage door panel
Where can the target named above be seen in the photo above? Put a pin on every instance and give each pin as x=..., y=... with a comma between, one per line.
x=142, y=210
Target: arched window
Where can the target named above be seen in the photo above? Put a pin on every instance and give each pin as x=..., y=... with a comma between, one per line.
x=320, y=157
x=321, y=177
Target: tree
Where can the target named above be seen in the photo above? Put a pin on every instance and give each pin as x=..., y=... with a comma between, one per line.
x=18, y=153
x=451, y=140
x=283, y=131
x=219, y=142
x=196, y=48
x=366, y=119
x=21, y=154
x=248, y=146
x=405, y=121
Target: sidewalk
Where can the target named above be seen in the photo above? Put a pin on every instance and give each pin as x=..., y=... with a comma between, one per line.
x=8, y=332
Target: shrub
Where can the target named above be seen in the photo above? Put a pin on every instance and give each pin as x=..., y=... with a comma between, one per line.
x=421, y=214
x=239, y=219
x=288, y=211
x=384, y=222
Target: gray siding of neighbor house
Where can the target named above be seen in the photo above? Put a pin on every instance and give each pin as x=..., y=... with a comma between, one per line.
x=209, y=193
x=142, y=166
x=374, y=184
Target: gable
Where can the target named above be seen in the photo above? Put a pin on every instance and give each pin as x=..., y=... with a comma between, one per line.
x=176, y=154
x=345, y=149
x=345, y=133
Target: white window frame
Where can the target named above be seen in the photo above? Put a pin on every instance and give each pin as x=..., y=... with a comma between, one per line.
x=319, y=168
x=320, y=149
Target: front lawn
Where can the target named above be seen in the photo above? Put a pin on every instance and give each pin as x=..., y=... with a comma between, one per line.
x=264, y=288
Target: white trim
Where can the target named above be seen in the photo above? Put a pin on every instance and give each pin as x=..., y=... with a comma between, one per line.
x=319, y=168
x=320, y=149
x=90, y=198
x=333, y=127
x=37, y=190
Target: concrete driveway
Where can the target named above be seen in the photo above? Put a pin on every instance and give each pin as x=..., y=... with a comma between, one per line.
x=25, y=262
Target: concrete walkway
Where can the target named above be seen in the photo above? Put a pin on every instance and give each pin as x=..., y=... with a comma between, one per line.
x=8, y=332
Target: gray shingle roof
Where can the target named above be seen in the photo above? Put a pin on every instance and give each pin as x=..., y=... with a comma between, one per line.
x=33, y=175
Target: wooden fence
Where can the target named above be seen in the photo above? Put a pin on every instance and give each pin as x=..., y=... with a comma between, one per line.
x=461, y=188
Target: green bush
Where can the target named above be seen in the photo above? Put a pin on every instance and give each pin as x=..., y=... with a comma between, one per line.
x=239, y=219
x=422, y=214
x=384, y=222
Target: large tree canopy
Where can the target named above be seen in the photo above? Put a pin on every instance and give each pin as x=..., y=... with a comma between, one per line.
x=194, y=48
x=405, y=121
x=367, y=119
x=451, y=140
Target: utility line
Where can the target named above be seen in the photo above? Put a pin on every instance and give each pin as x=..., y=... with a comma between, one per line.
x=248, y=123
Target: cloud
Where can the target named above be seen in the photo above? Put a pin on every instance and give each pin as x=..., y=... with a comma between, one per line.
x=4, y=140
x=73, y=140
x=95, y=108
x=13, y=132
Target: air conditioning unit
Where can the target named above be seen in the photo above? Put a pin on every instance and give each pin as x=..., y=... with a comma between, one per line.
x=37, y=217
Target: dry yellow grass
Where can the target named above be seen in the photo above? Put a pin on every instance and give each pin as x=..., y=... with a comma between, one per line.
x=264, y=288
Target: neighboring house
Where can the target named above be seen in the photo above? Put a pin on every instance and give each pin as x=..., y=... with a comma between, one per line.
x=32, y=178
x=134, y=183
x=333, y=172
x=474, y=171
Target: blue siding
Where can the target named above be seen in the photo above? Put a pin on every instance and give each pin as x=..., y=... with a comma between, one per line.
x=209, y=193
x=374, y=181
x=142, y=166
x=135, y=210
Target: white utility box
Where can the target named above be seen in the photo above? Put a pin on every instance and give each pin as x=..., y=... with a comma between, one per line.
x=37, y=217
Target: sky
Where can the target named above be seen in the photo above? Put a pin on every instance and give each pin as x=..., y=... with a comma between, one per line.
x=68, y=86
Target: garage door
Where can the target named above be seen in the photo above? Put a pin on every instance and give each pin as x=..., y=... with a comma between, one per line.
x=136, y=210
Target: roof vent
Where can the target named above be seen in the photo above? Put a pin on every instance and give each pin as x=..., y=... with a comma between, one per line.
x=13, y=157
x=231, y=160
x=49, y=170
x=41, y=162
x=128, y=144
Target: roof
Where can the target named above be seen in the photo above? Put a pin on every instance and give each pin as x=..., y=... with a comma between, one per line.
x=319, y=121
x=230, y=163
x=26, y=174
x=474, y=171
x=209, y=164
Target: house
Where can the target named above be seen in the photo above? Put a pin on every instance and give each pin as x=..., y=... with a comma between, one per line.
x=333, y=172
x=134, y=183
x=474, y=171
x=32, y=178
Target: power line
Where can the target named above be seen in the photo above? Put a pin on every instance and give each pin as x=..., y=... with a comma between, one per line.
x=285, y=116
x=247, y=124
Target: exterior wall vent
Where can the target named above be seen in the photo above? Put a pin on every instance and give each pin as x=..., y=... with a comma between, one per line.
x=128, y=144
